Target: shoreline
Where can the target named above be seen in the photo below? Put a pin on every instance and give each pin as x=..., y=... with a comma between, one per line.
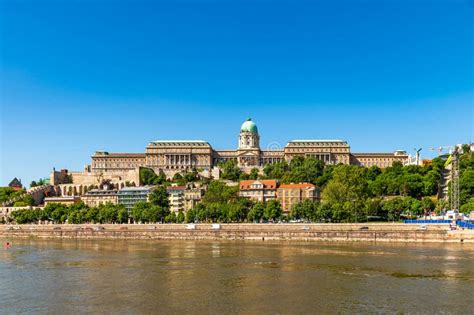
x=342, y=232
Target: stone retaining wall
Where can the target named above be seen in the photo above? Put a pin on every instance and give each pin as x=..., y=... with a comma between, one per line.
x=278, y=232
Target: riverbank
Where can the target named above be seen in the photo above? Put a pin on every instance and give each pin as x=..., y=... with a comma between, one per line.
x=370, y=232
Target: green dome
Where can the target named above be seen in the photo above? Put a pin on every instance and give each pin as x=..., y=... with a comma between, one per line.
x=249, y=126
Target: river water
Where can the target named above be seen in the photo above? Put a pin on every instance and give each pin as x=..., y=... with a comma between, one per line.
x=200, y=277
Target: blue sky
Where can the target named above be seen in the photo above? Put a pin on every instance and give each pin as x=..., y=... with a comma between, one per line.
x=79, y=76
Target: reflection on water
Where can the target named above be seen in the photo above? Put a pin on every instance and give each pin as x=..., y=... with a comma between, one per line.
x=234, y=277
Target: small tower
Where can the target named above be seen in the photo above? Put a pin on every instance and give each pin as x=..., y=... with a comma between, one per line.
x=248, y=137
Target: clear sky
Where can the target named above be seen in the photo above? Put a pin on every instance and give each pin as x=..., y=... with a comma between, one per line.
x=80, y=76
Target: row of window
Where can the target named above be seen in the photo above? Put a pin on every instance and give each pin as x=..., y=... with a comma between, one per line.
x=317, y=144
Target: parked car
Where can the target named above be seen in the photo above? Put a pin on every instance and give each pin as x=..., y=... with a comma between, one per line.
x=422, y=228
x=191, y=226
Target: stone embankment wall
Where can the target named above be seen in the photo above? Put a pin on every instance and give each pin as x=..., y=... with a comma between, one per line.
x=276, y=232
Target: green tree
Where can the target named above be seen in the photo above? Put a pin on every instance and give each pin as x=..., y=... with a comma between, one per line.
x=7, y=193
x=24, y=201
x=219, y=192
x=180, y=218
x=273, y=210
x=122, y=214
x=138, y=212
x=160, y=179
x=304, y=170
x=373, y=172
x=244, y=176
x=171, y=218
x=323, y=213
x=161, y=213
x=237, y=211
x=431, y=183
x=427, y=205
x=40, y=182
x=197, y=212
x=326, y=177
x=394, y=208
x=148, y=177
x=373, y=209
x=178, y=178
x=468, y=206
x=57, y=215
x=347, y=192
x=92, y=215
x=20, y=216
x=150, y=213
x=253, y=173
x=256, y=212
x=190, y=176
x=230, y=170
x=159, y=197
x=466, y=185
x=306, y=210
x=276, y=170
x=412, y=185
x=108, y=213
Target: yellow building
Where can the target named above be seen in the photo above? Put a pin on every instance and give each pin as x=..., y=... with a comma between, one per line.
x=291, y=194
x=182, y=198
x=176, y=197
x=192, y=197
x=97, y=197
x=258, y=190
x=64, y=200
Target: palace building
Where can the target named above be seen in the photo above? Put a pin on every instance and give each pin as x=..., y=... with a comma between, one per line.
x=172, y=156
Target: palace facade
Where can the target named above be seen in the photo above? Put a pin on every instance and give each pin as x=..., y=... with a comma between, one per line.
x=172, y=156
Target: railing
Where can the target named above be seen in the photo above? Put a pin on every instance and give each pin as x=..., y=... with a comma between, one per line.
x=465, y=225
x=428, y=221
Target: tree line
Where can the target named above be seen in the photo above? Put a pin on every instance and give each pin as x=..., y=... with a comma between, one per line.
x=349, y=194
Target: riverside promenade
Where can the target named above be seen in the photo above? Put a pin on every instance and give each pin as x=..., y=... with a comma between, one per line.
x=365, y=232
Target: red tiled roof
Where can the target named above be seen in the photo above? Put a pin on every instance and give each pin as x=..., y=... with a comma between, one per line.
x=299, y=185
x=176, y=188
x=267, y=183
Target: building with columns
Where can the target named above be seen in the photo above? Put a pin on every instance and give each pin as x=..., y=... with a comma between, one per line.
x=172, y=156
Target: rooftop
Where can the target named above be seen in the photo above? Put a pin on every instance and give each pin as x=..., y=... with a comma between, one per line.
x=298, y=185
x=118, y=154
x=179, y=143
x=380, y=153
x=15, y=183
x=139, y=188
x=267, y=183
x=249, y=126
x=95, y=192
x=61, y=198
x=313, y=140
x=176, y=188
x=324, y=142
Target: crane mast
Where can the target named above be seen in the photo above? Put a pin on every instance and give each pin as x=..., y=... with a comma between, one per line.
x=454, y=194
x=453, y=159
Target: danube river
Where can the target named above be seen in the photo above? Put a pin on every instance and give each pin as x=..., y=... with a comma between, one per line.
x=68, y=276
